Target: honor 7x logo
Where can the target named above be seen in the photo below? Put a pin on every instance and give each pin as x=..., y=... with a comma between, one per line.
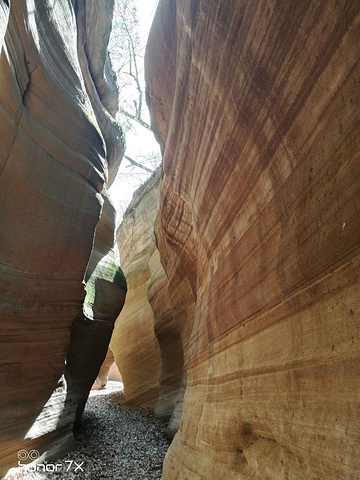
x=32, y=455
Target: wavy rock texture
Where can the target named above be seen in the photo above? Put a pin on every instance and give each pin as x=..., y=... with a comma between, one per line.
x=256, y=108
x=169, y=339
x=94, y=21
x=133, y=343
x=55, y=155
x=93, y=327
x=172, y=301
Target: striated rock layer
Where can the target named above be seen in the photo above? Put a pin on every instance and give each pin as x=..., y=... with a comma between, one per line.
x=58, y=145
x=133, y=343
x=92, y=329
x=256, y=107
x=172, y=301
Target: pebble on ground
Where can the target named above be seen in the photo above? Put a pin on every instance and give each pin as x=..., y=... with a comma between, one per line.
x=115, y=442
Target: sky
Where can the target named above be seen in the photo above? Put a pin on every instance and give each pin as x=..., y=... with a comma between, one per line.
x=140, y=143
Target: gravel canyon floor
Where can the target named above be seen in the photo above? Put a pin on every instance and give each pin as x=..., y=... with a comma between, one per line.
x=115, y=442
x=235, y=313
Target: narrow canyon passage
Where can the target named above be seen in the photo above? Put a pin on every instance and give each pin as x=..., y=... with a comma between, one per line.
x=227, y=297
x=114, y=441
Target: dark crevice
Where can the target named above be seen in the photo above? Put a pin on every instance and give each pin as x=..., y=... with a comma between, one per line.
x=27, y=87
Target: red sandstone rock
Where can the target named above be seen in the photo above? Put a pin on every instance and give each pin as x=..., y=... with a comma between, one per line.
x=92, y=329
x=53, y=137
x=172, y=301
x=256, y=107
x=133, y=343
x=169, y=339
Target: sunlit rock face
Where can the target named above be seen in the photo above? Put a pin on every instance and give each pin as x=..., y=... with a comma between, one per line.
x=104, y=373
x=133, y=343
x=256, y=108
x=58, y=145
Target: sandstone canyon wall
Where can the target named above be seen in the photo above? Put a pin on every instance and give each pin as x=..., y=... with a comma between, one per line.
x=108, y=371
x=133, y=343
x=92, y=329
x=172, y=301
x=155, y=303
x=256, y=107
x=58, y=145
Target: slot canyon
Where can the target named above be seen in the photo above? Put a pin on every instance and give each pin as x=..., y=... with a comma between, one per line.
x=232, y=319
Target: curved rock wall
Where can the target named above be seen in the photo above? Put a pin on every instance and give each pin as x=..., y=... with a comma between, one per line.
x=256, y=108
x=94, y=21
x=92, y=329
x=133, y=343
x=57, y=148
x=172, y=301
x=168, y=336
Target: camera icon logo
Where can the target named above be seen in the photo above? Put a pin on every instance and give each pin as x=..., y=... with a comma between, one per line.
x=25, y=455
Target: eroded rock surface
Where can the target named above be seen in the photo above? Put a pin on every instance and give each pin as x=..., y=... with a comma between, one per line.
x=172, y=301
x=256, y=108
x=133, y=343
x=92, y=329
x=57, y=148
x=105, y=372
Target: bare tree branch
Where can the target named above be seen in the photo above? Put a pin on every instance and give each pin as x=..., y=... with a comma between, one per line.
x=129, y=52
x=136, y=79
x=136, y=76
x=136, y=164
x=135, y=118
